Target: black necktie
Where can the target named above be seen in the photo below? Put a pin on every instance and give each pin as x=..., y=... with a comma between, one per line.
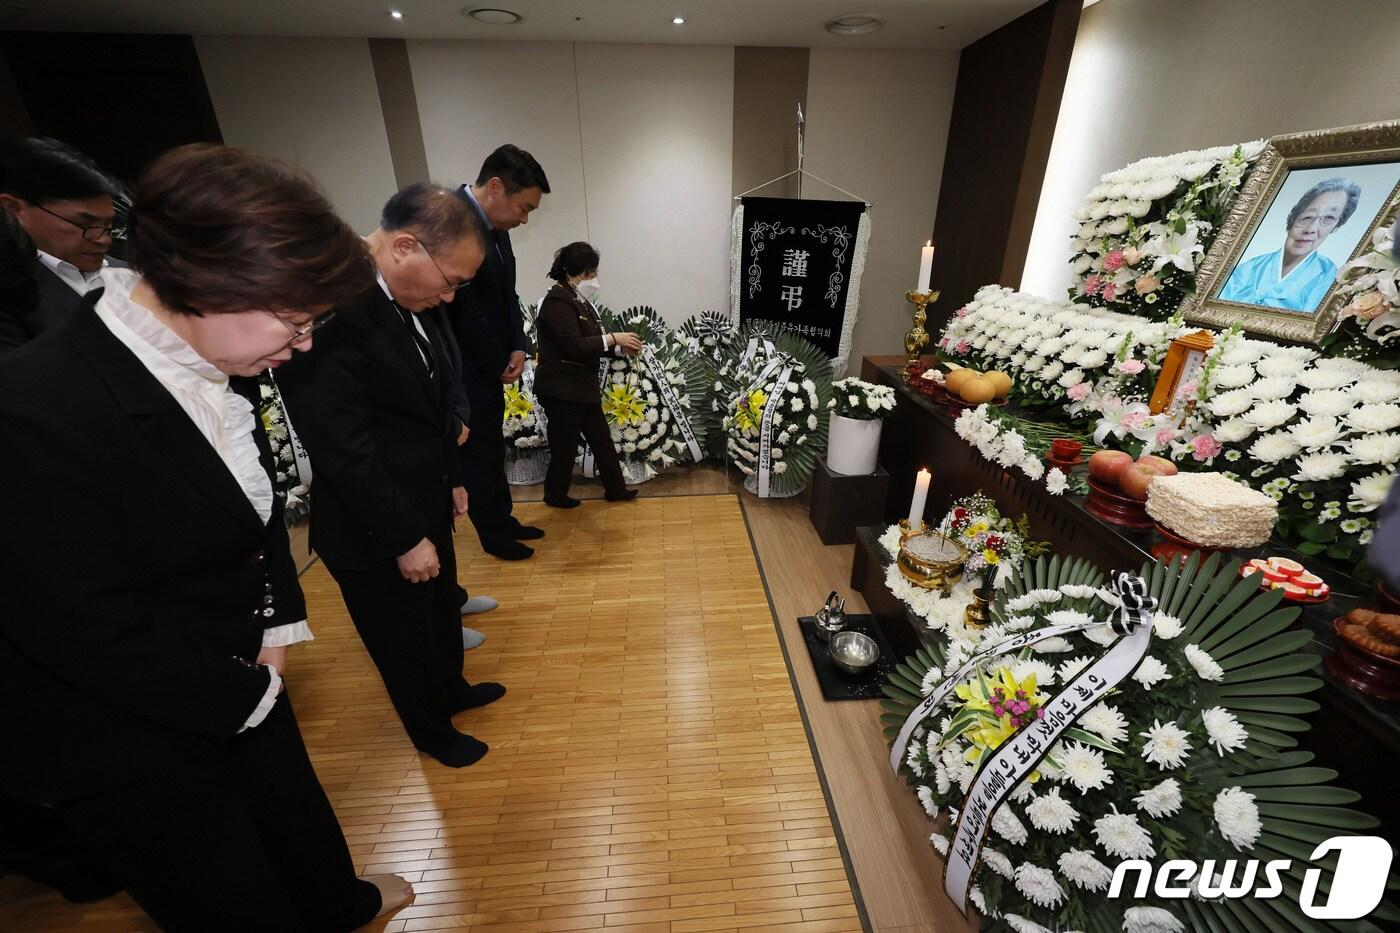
x=424, y=347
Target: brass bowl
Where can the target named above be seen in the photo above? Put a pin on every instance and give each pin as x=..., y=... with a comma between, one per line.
x=932, y=561
x=854, y=652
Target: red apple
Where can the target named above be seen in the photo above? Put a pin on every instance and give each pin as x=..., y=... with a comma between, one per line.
x=1134, y=481
x=1158, y=466
x=1107, y=466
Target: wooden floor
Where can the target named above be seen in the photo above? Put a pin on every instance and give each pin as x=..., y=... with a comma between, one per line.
x=650, y=769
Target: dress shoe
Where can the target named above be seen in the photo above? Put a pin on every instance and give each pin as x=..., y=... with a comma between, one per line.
x=477, y=695
x=527, y=533
x=471, y=638
x=478, y=604
x=510, y=550
x=561, y=502
x=463, y=750
x=627, y=495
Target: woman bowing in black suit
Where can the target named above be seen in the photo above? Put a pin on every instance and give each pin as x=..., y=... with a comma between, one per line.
x=150, y=590
x=572, y=343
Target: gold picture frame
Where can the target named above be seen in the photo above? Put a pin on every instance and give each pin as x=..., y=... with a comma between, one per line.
x=1308, y=154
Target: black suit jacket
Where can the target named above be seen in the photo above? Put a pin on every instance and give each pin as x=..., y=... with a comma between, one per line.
x=486, y=314
x=571, y=344
x=134, y=572
x=56, y=304
x=379, y=432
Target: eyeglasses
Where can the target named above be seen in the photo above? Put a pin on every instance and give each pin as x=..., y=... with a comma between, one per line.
x=300, y=333
x=445, y=281
x=91, y=232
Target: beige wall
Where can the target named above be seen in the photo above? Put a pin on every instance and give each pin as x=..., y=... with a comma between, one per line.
x=312, y=102
x=1146, y=80
x=877, y=124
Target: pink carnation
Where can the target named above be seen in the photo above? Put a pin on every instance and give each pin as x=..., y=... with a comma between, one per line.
x=1080, y=391
x=1187, y=389
x=1113, y=261
x=1133, y=420
x=1206, y=447
x=1092, y=285
x=1110, y=291
x=962, y=312
x=1164, y=436
x=964, y=346
x=1131, y=367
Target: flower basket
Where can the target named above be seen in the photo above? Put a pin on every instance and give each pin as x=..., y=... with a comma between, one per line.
x=527, y=469
x=853, y=445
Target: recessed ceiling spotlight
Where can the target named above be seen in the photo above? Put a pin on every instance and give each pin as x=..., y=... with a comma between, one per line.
x=854, y=24
x=396, y=14
x=678, y=20
x=492, y=16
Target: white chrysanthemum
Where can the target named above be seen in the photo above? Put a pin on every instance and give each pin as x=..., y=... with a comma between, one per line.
x=1233, y=431
x=1051, y=813
x=1321, y=466
x=1070, y=669
x=1165, y=626
x=1167, y=744
x=925, y=796
x=1022, y=925
x=1044, y=673
x=1082, y=869
x=1055, y=644
x=1225, y=731
x=1122, y=836
x=1374, y=418
x=1067, y=616
x=1084, y=767
x=1375, y=391
x=1056, y=482
x=1232, y=377
x=941, y=778
x=1271, y=448
x=1278, y=367
x=1326, y=378
x=1151, y=920
x=1375, y=448
x=1275, y=387
x=1205, y=665
x=1039, y=885
x=1268, y=415
x=1025, y=791
x=1160, y=800
x=1230, y=404
x=1369, y=492
x=1007, y=826
x=1237, y=817
x=1318, y=431
x=997, y=862
x=1106, y=722
x=974, y=894
x=1100, y=634
x=940, y=842
x=1327, y=403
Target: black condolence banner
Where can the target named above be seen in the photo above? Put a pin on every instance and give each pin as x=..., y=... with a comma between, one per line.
x=795, y=269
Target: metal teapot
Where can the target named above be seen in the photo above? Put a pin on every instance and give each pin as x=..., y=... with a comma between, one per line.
x=831, y=617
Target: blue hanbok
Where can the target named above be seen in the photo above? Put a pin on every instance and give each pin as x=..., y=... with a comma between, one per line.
x=1259, y=282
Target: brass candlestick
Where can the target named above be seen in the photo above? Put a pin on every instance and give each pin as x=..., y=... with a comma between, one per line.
x=917, y=338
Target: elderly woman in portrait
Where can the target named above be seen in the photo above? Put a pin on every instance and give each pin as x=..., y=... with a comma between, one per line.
x=1297, y=276
x=150, y=592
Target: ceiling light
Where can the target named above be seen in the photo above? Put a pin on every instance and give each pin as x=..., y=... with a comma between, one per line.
x=396, y=14
x=854, y=24
x=678, y=20
x=492, y=16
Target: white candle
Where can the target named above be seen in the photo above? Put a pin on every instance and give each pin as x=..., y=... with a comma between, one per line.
x=916, y=505
x=925, y=267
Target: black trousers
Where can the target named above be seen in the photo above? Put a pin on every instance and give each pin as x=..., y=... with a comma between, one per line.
x=413, y=631
x=483, y=461
x=567, y=422
x=243, y=839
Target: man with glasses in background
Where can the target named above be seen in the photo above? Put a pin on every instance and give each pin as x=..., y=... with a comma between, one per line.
x=65, y=203
x=376, y=407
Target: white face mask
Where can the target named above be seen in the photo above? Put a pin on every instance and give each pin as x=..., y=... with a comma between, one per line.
x=588, y=288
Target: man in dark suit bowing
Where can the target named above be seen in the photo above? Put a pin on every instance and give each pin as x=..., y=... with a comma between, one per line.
x=65, y=203
x=375, y=409
x=491, y=332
